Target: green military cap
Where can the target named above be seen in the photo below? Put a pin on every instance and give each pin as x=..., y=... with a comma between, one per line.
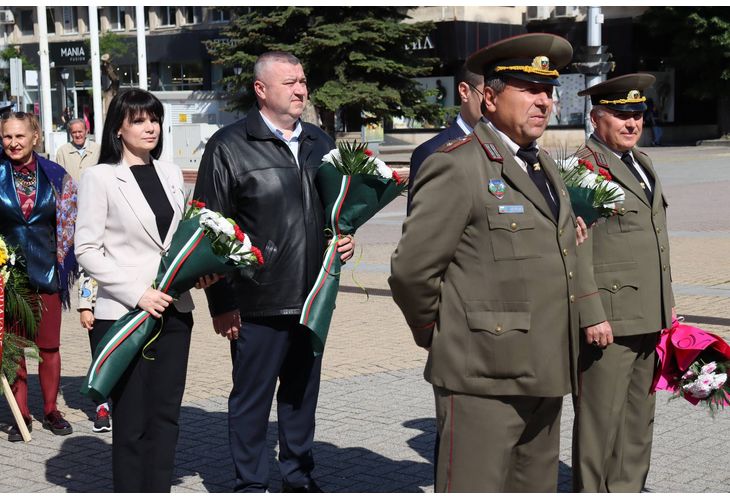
x=534, y=57
x=623, y=93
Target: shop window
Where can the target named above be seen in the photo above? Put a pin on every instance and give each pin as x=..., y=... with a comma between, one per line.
x=193, y=15
x=167, y=16
x=181, y=76
x=220, y=14
x=70, y=20
x=26, y=22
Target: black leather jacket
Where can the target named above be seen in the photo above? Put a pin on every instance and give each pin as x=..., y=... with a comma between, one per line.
x=249, y=175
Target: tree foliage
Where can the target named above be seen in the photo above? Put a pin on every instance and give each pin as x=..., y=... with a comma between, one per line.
x=695, y=41
x=355, y=58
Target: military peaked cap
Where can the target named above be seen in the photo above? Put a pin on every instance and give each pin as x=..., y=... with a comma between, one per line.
x=534, y=57
x=623, y=93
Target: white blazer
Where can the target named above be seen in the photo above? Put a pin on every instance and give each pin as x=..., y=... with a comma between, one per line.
x=117, y=241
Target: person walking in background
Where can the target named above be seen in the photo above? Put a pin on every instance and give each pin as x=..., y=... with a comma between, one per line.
x=37, y=215
x=80, y=153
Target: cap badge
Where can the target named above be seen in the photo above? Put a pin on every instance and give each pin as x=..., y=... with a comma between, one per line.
x=633, y=95
x=541, y=62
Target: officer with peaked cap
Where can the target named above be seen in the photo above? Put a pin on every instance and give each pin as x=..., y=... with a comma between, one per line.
x=625, y=300
x=485, y=275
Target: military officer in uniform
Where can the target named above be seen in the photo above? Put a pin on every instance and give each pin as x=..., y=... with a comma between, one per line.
x=485, y=275
x=625, y=300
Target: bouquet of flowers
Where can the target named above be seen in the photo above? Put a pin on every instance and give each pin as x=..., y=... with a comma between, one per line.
x=205, y=243
x=694, y=364
x=353, y=186
x=19, y=312
x=592, y=194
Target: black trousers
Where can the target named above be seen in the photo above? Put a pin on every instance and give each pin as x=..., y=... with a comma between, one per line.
x=268, y=349
x=146, y=406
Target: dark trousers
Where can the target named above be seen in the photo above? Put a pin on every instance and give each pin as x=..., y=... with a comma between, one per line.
x=146, y=406
x=268, y=349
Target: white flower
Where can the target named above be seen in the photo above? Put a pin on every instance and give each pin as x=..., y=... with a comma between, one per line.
x=719, y=380
x=12, y=258
x=383, y=170
x=216, y=223
x=570, y=163
x=331, y=156
x=709, y=367
x=698, y=389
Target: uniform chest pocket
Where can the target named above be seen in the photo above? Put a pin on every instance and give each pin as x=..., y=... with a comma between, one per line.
x=618, y=286
x=511, y=234
x=627, y=218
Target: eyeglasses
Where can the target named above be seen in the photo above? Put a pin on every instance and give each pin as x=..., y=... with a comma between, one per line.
x=475, y=89
x=20, y=115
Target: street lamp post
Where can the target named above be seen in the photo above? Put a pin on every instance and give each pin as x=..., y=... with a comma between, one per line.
x=64, y=98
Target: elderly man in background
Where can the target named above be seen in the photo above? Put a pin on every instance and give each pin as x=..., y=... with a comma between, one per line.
x=80, y=153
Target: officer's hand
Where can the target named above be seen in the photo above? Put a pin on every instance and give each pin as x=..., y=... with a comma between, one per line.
x=599, y=335
x=581, y=231
x=227, y=324
x=346, y=248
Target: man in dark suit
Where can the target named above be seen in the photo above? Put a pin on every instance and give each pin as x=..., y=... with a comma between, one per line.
x=470, y=112
x=485, y=277
x=625, y=300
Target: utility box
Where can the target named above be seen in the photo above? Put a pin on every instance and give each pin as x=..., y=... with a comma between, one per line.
x=185, y=144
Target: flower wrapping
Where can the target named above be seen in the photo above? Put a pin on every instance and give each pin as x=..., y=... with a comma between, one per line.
x=192, y=254
x=349, y=201
x=592, y=194
x=693, y=365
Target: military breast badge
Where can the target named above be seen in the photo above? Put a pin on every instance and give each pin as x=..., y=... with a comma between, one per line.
x=497, y=187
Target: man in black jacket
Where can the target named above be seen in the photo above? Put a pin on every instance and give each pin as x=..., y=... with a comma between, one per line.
x=260, y=172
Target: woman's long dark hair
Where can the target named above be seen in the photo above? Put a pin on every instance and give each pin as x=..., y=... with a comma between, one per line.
x=128, y=104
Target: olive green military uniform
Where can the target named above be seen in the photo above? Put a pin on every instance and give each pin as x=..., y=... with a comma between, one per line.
x=483, y=258
x=625, y=279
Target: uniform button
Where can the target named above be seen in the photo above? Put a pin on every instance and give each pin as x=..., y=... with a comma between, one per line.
x=658, y=230
x=614, y=287
x=661, y=248
x=570, y=274
x=572, y=298
x=498, y=328
x=565, y=251
x=622, y=210
x=513, y=226
x=562, y=191
x=560, y=233
x=664, y=267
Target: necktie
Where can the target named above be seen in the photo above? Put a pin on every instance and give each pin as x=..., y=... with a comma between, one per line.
x=529, y=156
x=626, y=158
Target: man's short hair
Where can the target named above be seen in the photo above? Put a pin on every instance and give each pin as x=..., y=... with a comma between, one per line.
x=269, y=57
x=464, y=75
x=599, y=110
x=497, y=84
x=75, y=121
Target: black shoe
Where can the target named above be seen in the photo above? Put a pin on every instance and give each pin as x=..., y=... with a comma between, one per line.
x=14, y=434
x=58, y=425
x=311, y=487
x=102, y=423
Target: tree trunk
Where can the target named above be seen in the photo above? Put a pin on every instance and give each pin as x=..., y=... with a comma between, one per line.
x=328, y=121
x=723, y=115
x=113, y=89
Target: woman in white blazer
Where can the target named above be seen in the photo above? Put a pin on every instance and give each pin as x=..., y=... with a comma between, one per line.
x=129, y=207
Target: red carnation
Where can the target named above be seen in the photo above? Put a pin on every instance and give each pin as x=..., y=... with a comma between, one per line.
x=368, y=152
x=604, y=173
x=397, y=178
x=240, y=236
x=259, y=256
x=587, y=164
x=199, y=204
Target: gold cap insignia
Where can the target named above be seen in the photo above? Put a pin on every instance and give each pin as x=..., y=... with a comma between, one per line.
x=541, y=62
x=633, y=95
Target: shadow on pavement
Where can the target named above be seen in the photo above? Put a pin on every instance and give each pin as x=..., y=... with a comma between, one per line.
x=83, y=464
